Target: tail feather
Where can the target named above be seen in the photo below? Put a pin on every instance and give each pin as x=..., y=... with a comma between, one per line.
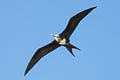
x=74, y=47
x=69, y=48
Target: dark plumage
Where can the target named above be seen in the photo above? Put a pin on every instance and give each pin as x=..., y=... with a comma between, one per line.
x=60, y=40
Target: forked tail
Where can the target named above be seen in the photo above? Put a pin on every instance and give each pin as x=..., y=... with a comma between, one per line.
x=69, y=48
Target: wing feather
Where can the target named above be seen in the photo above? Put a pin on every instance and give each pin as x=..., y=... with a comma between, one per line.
x=41, y=52
x=74, y=21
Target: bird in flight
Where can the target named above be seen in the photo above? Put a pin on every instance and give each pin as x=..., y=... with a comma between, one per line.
x=59, y=40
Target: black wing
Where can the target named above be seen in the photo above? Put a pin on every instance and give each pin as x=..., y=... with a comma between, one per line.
x=73, y=22
x=40, y=53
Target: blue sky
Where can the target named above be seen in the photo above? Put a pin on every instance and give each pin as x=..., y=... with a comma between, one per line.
x=25, y=26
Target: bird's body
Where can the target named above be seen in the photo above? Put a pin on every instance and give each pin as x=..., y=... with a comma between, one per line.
x=59, y=40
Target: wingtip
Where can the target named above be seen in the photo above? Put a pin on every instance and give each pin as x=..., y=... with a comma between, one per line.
x=93, y=7
x=25, y=73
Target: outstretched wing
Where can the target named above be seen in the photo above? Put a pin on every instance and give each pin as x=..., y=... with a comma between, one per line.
x=73, y=22
x=40, y=53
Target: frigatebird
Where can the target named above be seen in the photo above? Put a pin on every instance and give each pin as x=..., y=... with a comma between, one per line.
x=59, y=40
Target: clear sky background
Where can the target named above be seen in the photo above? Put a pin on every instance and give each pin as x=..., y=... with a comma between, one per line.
x=26, y=25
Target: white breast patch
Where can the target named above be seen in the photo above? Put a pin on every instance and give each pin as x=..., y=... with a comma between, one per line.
x=62, y=42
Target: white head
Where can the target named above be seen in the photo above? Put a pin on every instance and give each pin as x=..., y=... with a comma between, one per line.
x=56, y=35
x=57, y=38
